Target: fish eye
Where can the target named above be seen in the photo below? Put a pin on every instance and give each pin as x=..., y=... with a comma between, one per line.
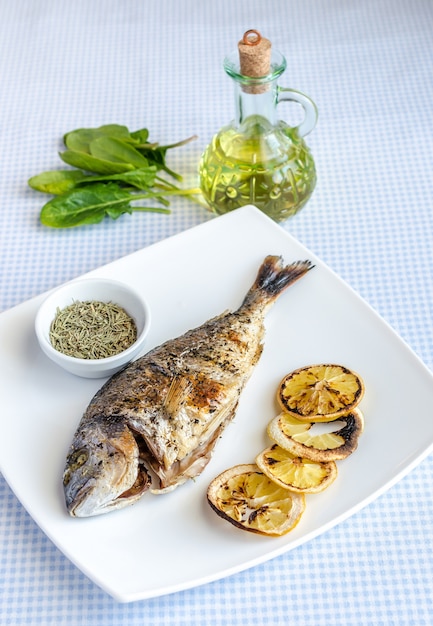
x=77, y=459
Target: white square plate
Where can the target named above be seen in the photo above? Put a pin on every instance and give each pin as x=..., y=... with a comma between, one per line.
x=172, y=542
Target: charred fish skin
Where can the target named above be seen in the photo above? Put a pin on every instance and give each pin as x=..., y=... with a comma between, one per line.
x=166, y=410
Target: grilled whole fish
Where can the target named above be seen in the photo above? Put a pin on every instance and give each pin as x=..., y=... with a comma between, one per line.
x=162, y=415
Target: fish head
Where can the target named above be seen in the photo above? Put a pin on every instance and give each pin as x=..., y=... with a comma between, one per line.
x=102, y=470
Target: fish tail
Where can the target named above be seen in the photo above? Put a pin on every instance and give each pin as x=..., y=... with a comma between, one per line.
x=273, y=277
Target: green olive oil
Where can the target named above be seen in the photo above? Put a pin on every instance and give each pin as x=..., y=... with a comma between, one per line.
x=258, y=163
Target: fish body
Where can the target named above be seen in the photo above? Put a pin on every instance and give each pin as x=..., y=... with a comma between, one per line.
x=161, y=416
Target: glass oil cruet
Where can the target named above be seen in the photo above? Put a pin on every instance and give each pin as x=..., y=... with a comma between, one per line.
x=258, y=159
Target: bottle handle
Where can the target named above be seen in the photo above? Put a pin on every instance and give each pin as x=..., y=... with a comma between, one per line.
x=310, y=109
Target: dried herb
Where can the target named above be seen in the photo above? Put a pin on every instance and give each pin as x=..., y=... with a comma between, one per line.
x=92, y=330
x=113, y=165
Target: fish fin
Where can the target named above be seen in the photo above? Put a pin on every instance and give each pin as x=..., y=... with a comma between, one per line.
x=178, y=391
x=273, y=277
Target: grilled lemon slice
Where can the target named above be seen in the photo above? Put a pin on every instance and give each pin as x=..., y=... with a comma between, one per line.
x=295, y=436
x=320, y=393
x=247, y=498
x=294, y=472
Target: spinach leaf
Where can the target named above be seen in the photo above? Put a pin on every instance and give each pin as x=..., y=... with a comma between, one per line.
x=79, y=140
x=143, y=178
x=140, y=136
x=117, y=151
x=157, y=155
x=56, y=182
x=90, y=204
x=112, y=165
x=91, y=163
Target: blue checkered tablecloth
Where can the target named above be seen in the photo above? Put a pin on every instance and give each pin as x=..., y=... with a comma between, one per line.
x=368, y=65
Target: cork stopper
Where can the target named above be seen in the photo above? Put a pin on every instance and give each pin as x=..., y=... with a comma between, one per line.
x=255, y=59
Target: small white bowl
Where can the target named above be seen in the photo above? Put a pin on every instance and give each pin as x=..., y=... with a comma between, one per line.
x=103, y=290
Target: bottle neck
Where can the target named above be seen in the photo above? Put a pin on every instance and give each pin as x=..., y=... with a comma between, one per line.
x=256, y=104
